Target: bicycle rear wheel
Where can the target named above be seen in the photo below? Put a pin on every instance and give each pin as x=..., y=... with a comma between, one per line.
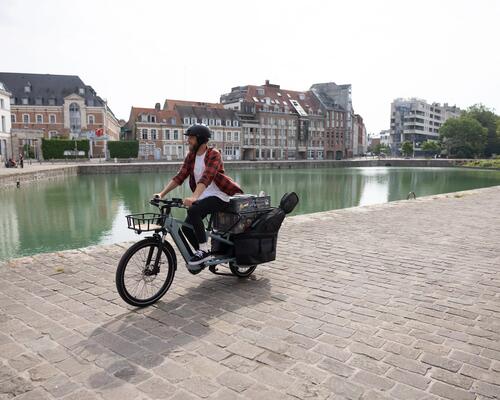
x=145, y=272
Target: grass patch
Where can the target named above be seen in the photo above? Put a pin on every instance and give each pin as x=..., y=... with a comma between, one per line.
x=494, y=163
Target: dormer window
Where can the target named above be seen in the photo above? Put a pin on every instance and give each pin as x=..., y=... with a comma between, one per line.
x=27, y=88
x=81, y=90
x=260, y=92
x=186, y=121
x=144, y=118
x=90, y=102
x=52, y=102
x=193, y=121
x=228, y=122
x=38, y=101
x=302, y=96
x=25, y=101
x=212, y=122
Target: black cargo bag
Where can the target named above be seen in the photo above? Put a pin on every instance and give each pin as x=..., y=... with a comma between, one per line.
x=258, y=244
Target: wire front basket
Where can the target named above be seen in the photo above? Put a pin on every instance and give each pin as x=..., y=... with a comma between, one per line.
x=145, y=222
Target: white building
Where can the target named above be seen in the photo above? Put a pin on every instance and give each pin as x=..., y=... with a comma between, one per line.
x=385, y=137
x=5, y=125
x=416, y=121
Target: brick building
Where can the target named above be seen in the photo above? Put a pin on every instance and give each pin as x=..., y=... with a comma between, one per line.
x=49, y=106
x=160, y=131
x=277, y=123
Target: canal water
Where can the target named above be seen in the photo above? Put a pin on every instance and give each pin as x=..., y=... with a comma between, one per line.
x=90, y=209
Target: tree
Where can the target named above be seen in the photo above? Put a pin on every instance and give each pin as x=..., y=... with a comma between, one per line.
x=463, y=137
x=407, y=148
x=380, y=148
x=489, y=120
x=431, y=146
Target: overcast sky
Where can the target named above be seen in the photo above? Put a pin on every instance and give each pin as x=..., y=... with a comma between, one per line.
x=141, y=52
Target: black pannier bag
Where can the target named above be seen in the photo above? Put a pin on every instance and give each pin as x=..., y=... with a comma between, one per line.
x=258, y=244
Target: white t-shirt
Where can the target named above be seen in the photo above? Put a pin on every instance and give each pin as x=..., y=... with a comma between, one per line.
x=212, y=189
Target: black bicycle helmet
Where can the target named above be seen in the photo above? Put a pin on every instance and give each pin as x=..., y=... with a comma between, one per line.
x=201, y=132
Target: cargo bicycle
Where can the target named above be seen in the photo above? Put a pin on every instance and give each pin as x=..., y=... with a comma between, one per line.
x=240, y=241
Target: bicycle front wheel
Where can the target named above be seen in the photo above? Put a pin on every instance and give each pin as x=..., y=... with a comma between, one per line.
x=145, y=272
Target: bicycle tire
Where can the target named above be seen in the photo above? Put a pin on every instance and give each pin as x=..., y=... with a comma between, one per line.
x=171, y=264
x=242, y=271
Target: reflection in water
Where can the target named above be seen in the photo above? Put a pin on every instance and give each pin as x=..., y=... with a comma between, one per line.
x=86, y=210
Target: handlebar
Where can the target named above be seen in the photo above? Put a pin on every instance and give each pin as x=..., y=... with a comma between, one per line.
x=174, y=202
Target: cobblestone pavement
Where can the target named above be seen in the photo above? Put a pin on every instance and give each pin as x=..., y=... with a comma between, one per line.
x=398, y=301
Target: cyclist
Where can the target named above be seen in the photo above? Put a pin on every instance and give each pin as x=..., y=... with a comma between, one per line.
x=211, y=188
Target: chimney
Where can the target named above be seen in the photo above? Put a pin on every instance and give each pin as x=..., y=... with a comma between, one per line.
x=157, y=107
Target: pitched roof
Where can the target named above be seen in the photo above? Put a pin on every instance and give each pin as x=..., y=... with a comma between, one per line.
x=46, y=86
x=201, y=112
x=273, y=95
x=170, y=104
x=162, y=116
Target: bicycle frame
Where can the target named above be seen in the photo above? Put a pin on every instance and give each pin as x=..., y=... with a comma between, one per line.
x=173, y=227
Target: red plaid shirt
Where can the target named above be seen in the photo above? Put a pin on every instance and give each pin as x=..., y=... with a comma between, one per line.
x=214, y=172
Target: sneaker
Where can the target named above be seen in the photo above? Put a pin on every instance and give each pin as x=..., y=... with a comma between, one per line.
x=199, y=257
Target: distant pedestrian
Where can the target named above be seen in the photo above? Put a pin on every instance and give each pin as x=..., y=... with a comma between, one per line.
x=21, y=160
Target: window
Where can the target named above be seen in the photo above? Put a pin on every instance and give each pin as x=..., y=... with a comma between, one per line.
x=153, y=134
x=144, y=134
x=228, y=122
x=24, y=101
x=229, y=136
x=236, y=136
x=38, y=101
x=75, y=122
x=12, y=100
x=218, y=122
x=235, y=123
x=81, y=90
x=146, y=149
x=52, y=118
x=2, y=104
x=91, y=119
x=53, y=134
x=186, y=121
x=166, y=135
x=4, y=129
x=27, y=88
x=211, y=122
x=90, y=102
x=39, y=119
x=193, y=120
x=26, y=118
x=205, y=121
x=176, y=134
x=52, y=102
x=13, y=118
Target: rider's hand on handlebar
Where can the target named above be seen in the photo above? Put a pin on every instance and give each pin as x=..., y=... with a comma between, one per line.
x=188, y=201
x=157, y=196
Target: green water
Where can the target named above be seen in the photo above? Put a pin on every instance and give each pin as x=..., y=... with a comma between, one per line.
x=90, y=209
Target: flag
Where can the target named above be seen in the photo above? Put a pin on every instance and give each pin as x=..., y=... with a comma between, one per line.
x=99, y=132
